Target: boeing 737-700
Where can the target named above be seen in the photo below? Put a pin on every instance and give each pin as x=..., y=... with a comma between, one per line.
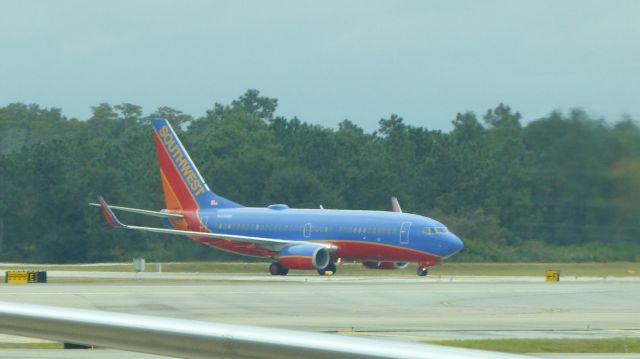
x=313, y=239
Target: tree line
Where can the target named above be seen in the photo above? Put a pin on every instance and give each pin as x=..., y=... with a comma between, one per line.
x=565, y=187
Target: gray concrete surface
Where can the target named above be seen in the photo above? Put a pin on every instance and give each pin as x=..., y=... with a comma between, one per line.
x=461, y=308
x=264, y=277
x=111, y=354
x=402, y=308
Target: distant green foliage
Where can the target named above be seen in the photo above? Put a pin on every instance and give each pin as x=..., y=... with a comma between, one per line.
x=561, y=188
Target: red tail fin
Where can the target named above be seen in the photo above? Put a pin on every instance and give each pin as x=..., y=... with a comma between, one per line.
x=183, y=186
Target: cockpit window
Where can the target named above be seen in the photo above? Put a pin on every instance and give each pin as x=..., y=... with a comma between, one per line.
x=434, y=230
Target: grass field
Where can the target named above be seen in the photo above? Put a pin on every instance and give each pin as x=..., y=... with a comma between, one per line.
x=614, y=269
x=616, y=345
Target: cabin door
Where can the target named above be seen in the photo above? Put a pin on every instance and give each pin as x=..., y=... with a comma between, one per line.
x=307, y=230
x=404, y=232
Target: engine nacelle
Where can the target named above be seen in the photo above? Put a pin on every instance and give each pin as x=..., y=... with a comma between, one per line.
x=385, y=265
x=304, y=256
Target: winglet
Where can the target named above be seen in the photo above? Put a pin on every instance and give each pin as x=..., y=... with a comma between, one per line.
x=395, y=205
x=108, y=214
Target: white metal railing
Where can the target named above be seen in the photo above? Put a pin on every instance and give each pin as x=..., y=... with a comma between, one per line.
x=195, y=339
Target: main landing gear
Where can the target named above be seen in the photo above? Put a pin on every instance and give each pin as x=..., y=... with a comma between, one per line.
x=277, y=269
x=331, y=267
x=422, y=271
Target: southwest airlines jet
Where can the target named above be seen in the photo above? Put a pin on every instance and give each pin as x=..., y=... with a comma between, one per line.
x=313, y=239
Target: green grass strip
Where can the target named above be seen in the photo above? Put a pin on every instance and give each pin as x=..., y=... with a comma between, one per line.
x=613, y=345
x=567, y=270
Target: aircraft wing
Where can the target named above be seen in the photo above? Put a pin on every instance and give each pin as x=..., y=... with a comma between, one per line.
x=271, y=244
x=197, y=339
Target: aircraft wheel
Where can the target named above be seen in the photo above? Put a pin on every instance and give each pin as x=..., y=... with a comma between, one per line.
x=423, y=271
x=331, y=267
x=277, y=269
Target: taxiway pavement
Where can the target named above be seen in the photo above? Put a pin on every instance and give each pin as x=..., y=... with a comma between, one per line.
x=401, y=308
x=395, y=307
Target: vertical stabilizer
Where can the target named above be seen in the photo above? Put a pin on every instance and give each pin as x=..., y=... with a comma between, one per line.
x=183, y=186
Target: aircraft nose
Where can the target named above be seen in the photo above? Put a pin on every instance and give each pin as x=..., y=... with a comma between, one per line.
x=455, y=243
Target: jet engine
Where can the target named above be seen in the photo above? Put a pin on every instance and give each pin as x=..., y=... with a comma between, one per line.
x=385, y=265
x=304, y=256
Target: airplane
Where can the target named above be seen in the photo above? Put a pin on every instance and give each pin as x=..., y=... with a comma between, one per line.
x=307, y=239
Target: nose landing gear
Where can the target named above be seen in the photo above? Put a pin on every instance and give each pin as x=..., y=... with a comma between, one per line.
x=422, y=271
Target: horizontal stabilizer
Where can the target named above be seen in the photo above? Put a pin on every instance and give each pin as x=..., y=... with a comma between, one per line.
x=108, y=214
x=160, y=214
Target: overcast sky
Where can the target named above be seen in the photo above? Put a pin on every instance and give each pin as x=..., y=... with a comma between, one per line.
x=326, y=60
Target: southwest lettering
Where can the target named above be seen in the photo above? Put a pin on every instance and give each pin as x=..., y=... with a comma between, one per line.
x=185, y=168
x=191, y=178
x=188, y=174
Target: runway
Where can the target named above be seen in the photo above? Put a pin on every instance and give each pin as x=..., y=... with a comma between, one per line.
x=402, y=308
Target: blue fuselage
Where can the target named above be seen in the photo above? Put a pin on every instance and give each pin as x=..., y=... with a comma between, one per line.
x=358, y=235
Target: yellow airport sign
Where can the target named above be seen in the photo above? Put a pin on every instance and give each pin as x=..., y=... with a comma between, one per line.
x=553, y=276
x=16, y=276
